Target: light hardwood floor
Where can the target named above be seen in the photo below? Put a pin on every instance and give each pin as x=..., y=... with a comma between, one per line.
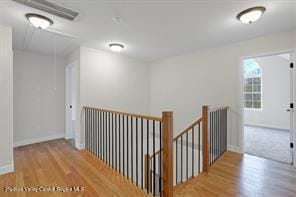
x=57, y=163
x=242, y=175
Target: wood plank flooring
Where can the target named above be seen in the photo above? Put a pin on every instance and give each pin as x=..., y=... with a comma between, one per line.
x=242, y=175
x=58, y=163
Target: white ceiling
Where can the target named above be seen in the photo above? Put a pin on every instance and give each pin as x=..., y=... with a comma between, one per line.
x=150, y=29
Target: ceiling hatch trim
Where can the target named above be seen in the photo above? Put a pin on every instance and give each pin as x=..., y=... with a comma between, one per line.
x=50, y=7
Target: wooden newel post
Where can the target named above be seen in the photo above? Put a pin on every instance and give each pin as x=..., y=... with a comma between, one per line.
x=167, y=164
x=205, y=143
x=147, y=172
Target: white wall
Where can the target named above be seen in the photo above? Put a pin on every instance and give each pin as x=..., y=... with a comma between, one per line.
x=38, y=106
x=113, y=81
x=6, y=100
x=185, y=83
x=275, y=94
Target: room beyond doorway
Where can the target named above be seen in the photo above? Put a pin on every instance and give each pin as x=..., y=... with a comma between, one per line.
x=267, y=110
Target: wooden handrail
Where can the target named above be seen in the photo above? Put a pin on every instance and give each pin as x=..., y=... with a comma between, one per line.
x=188, y=128
x=179, y=135
x=125, y=113
x=218, y=108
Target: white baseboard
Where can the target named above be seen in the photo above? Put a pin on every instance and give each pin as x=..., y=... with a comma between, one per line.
x=80, y=146
x=267, y=126
x=37, y=140
x=6, y=169
x=234, y=149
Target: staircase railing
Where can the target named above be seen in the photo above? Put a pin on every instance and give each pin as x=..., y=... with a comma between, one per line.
x=142, y=148
x=199, y=145
x=217, y=133
x=123, y=141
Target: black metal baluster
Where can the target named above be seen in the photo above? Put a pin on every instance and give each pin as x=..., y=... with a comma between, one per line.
x=210, y=128
x=216, y=129
x=176, y=161
x=137, y=151
x=109, y=140
x=150, y=175
x=106, y=138
x=187, y=155
x=119, y=142
x=91, y=134
x=225, y=148
x=101, y=125
x=95, y=132
x=154, y=160
x=85, y=126
x=159, y=177
x=192, y=167
x=123, y=140
x=223, y=136
x=212, y=137
x=103, y=136
x=218, y=134
x=96, y=112
x=199, y=148
x=142, y=155
x=132, y=154
x=160, y=157
x=116, y=155
x=226, y=129
x=127, y=142
x=90, y=130
x=147, y=128
x=98, y=133
x=181, y=158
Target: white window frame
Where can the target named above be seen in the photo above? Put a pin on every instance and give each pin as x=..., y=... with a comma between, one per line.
x=246, y=76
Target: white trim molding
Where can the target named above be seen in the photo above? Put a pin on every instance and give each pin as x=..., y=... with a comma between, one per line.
x=37, y=140
x=6, y=169
x=80, y=146
x=236, y=149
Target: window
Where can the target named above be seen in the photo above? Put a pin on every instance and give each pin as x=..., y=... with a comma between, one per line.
x=252, y=85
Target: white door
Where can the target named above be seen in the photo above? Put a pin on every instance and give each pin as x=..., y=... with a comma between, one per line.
x=70, y=101
x=292, y=107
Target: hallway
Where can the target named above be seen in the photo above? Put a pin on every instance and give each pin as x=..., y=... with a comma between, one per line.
x=57, y=163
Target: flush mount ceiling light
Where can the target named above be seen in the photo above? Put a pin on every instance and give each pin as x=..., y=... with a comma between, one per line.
x=251, y=15
x=116, y=47
x=39, y=21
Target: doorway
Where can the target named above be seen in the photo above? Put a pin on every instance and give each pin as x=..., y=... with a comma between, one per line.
x=70, y=101
x=267, y=107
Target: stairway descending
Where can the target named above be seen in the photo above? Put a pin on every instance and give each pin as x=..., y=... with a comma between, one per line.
x=142, y=148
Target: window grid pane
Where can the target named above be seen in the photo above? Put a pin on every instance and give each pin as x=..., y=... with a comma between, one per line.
x=252, y=92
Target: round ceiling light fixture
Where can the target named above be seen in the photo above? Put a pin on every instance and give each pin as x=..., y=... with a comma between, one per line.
x=251, y=15
x=39, y=21
x=116, y=47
